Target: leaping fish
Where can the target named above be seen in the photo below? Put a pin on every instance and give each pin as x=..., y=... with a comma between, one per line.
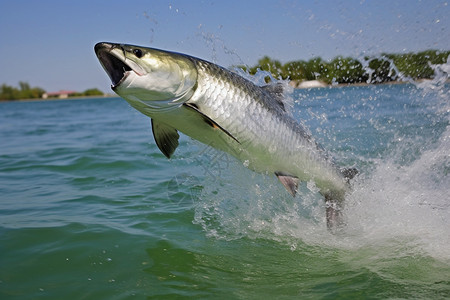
x=226, y=111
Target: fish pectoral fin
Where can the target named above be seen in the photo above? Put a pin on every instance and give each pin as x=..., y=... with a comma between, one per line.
x=209, y=121
x=290, y=182
x=166, y=137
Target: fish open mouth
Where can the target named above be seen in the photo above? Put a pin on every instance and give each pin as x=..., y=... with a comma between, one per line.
x=115, y=66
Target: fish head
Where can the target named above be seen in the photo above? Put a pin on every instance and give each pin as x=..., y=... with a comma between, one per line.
x=149, y=79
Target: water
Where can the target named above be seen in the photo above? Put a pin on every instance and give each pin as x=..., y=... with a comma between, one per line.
x=90, y=209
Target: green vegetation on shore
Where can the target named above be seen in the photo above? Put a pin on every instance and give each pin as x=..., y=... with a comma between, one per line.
x=88, y=93
x=25, y=91
x=341, y=70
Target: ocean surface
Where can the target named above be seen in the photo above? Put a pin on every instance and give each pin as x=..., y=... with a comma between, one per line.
x=90, y=208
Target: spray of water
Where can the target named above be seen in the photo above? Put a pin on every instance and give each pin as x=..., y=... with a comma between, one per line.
x=398, y=205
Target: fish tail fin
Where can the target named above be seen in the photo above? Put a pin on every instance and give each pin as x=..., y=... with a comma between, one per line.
x=334, y=214
x=334, y=203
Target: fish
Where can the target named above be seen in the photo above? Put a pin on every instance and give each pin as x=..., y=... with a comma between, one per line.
x=220, y=108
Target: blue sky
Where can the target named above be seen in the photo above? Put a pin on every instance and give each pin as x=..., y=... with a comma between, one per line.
x=50, y=43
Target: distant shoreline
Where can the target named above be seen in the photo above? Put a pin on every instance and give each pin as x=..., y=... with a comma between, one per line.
x=68, y=98
x=306, y=84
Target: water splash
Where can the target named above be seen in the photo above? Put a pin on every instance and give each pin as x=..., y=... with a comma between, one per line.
x=410, y=201
x=400, y=204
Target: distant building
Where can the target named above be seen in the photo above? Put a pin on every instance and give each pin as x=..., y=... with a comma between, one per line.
x=61, y=94
x=307, y=84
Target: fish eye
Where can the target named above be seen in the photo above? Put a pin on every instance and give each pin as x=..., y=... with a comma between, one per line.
x=138, y=53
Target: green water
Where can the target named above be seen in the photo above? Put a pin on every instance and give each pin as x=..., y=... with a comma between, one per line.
x=90, y=209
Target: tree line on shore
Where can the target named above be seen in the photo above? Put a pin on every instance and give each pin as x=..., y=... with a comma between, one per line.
x=340, y=70
x=25, y=91
x=347, y=70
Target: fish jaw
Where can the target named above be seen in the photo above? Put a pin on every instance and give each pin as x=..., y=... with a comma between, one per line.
x=149, y=79
x=114, y=62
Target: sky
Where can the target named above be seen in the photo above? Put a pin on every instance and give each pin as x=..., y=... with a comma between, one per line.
x=49, y=44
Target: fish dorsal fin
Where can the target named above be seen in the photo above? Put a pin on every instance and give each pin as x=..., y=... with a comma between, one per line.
x=166, y=137
x=290, y=182
x=276, y=91
x=209, y=121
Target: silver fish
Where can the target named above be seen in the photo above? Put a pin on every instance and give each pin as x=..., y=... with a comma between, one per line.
x=226, y=111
